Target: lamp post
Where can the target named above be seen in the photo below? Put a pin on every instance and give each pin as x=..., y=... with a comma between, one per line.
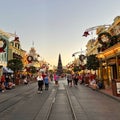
x=79, y=63
x=78, y=52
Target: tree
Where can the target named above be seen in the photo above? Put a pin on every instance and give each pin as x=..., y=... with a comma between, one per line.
x=59, y=67
x=76, y=68
x=92, y=62
x=32, y=69
x=15, y=65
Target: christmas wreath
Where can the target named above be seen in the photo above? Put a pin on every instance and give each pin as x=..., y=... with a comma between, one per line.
x=3, y=46
x=29, y=59
x=101, y=34
x=81, y=57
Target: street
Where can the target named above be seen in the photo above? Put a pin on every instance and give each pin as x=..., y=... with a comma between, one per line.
x=59, y=102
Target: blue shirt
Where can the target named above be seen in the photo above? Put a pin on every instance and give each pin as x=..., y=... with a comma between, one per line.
x=46, y=80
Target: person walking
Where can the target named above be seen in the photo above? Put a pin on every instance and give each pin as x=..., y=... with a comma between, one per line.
x=51, y=76
x=76, y=78
x=40, y=82
x=46, y=82
x=56, y=77
x=69, y=80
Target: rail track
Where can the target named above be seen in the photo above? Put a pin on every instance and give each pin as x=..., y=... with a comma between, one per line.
x=15, y=98
x=55, y=105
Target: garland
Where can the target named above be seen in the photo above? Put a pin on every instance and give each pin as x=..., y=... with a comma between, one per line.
x=81, y=57
x=101, y=34
x=29, y=59
x=4, y=45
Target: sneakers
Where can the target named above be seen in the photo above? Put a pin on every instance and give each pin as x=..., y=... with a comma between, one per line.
x=39, y=92
x=3, y=91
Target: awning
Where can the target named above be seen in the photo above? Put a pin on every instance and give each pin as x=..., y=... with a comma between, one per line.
x=7, y=70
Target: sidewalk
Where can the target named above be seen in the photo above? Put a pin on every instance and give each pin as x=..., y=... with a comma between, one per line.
x=109, y=93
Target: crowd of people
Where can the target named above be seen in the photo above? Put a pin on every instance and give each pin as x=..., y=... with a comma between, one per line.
x=44, y=78
x=87, y=79
x=6, y=82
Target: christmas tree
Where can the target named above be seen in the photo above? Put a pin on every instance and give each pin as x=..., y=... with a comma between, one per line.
x=59, y=67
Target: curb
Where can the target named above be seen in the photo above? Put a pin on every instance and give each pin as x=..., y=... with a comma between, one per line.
x=113, y=97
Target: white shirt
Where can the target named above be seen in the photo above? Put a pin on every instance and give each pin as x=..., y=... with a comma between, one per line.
x=39, y=78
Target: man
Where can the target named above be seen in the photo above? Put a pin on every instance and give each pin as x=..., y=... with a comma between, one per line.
x=69, y=80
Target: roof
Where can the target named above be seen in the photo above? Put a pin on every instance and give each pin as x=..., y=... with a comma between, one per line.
x=7, y=70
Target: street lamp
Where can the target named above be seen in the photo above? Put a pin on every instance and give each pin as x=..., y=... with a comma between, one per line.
x=79, y=63
x=73, y=55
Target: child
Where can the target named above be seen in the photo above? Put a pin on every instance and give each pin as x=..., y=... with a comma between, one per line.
x=46, y=82
x=2, y=83
x=25, y=81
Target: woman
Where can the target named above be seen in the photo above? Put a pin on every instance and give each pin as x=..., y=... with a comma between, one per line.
x=56, y=77
x=40, y=83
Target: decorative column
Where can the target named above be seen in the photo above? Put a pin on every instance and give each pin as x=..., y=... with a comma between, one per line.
x=117, y=66
x=106, y=61
x=101, y=58
x=101, y=70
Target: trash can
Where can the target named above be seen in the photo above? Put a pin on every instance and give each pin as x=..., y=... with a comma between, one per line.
x=116, y=87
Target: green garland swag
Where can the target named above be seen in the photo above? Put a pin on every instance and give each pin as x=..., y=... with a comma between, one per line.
x=29, y=59
x=101, y=34
x=4, y=45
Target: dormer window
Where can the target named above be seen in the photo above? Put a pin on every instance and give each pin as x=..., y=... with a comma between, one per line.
x=16, y=45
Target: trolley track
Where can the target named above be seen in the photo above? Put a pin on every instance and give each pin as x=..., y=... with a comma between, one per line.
x=28, y=100
x=15, y=99
x=53, y=101
x=77, y=105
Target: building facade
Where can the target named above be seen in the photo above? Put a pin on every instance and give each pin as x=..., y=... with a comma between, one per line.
x=110, y=57
x=107, y=48
x=4, y=46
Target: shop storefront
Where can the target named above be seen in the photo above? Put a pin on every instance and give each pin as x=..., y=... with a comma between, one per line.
x=110, y=65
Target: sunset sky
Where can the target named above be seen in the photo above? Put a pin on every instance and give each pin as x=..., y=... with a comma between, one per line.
x=55, y=26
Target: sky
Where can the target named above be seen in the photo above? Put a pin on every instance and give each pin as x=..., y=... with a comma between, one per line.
x=55, y=27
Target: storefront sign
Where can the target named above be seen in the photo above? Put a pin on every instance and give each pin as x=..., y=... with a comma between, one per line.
x=111, y=61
